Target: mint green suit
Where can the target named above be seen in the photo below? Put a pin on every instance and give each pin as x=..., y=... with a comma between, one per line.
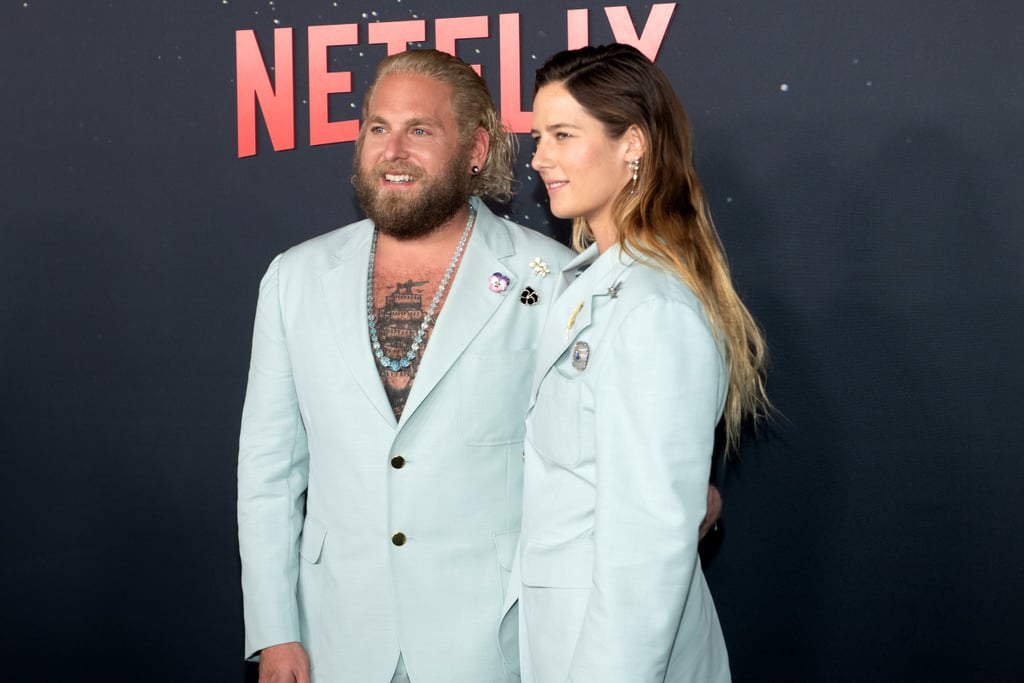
x=319, y=499
x=620, y=433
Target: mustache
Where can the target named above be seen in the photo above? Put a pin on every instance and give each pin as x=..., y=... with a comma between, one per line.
x=397, y=169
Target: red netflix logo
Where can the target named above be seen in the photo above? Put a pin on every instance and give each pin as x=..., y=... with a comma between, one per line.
x=277, y=99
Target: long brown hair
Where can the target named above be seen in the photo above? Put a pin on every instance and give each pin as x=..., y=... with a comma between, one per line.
x=664, y=215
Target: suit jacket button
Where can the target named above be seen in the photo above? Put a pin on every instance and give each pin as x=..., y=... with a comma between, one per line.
x=398, y=538
x=398, y=462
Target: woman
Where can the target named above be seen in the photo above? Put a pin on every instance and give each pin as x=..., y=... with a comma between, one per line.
x=645, y=350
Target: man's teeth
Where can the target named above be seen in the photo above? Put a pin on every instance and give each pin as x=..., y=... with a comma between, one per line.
x=395, y=178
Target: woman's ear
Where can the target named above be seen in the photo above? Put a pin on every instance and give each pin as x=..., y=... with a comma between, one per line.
x=636, y=143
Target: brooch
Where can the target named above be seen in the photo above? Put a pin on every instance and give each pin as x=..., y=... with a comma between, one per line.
x=528, y=296
x=572, y=319
x=539, y=267
x=580, y=355
x=498, y=283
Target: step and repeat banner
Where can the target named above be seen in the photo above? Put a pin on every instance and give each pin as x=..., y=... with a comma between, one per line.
x=863, y=161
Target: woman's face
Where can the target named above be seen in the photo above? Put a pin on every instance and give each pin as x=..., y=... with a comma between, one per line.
x=582, y=167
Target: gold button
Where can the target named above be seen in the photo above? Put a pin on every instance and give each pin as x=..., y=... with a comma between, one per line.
x=398, y=462
x=398, y=538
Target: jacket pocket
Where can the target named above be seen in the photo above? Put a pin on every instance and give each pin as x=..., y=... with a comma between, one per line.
x=506, y=546
x=311, y=543
x=567, y=565
x=558, y=428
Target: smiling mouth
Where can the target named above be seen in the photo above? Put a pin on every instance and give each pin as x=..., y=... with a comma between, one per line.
x=398, y=178
x=555, y=184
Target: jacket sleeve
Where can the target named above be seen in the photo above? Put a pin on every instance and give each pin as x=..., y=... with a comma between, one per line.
x=273, y=469
x=656, y=408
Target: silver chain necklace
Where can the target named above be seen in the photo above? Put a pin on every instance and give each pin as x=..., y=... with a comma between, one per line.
x=386, y=362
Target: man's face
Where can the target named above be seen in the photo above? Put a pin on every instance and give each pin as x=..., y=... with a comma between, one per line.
x=412, y=170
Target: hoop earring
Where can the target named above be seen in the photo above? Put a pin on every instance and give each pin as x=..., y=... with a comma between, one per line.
x=634, y=166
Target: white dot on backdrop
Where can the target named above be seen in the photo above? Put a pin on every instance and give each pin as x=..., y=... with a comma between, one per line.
x=784, y=87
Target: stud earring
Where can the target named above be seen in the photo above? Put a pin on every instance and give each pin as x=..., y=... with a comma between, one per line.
x=475, y=169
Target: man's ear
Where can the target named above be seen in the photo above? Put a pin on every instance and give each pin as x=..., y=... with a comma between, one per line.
x=481, y=146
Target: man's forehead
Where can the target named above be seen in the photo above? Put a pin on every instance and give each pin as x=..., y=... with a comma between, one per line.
x=411, y=92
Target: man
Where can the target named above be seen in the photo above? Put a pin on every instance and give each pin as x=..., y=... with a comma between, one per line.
x=380, y=458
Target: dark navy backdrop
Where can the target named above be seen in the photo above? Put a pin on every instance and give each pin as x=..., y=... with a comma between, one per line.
x=864, y=163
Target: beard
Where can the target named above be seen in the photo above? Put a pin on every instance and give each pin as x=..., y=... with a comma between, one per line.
x=403, y=217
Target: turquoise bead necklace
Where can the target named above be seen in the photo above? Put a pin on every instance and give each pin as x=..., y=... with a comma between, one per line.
x=386, y=362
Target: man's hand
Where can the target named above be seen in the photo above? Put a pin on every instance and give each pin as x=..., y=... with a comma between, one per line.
x=285, y=663
x=714, y=511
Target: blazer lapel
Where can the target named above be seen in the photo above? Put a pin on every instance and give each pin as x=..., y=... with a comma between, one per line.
x=573, y=312
x=344, y=288
x=470, y=304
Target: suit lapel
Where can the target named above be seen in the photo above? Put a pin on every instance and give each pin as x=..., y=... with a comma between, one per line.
x=573, y=312
x=344, y=288
x=470, y=304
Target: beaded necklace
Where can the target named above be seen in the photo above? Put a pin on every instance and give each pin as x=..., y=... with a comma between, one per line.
x=378, y=351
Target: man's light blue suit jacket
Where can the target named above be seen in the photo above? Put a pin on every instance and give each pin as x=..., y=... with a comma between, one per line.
x=318, y=497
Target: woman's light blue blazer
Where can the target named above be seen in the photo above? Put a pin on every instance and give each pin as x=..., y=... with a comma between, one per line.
x=629, y=386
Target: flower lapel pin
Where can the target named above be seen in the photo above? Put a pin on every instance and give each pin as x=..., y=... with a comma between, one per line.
x=498, y=283
x=539, y=267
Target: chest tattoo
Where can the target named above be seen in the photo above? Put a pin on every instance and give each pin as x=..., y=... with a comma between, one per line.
x=400, y=310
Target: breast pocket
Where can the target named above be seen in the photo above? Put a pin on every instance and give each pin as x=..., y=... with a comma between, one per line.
x=561, y=424
x=495, y=392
